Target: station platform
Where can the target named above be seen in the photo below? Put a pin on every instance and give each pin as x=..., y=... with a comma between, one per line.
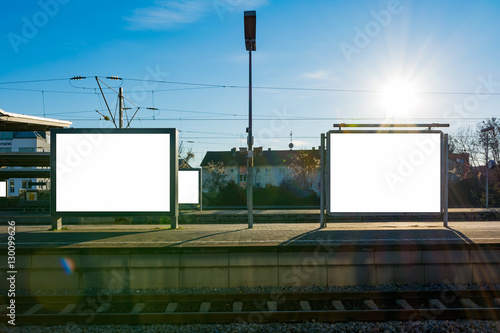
x=261, y=216
x=238, y=235
x=231, y=255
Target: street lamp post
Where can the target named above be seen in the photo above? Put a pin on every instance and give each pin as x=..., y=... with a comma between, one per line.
x=250, y=25
x=487, y=130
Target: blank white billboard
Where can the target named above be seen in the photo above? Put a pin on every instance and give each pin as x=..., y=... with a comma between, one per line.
x=385, y=172
x=189, y=187
x=113, y=171
x=3, y=189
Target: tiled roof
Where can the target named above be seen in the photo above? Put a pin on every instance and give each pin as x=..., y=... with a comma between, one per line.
x=27, y=135
x=264, y=158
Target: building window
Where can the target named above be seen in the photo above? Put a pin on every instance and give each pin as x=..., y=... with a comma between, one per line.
x=243, y=178
x=268, y=171
x=27, y=149
x=460, y=160
x=257, y=170
x=5, y=150
x=12, y=187
x=282, y=171
x=231, y=170
x=6, y=135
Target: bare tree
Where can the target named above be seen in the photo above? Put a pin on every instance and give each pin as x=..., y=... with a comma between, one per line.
x=303, y=167
x=464, y=141
x=185, y=157
x=215, y=177
x=490, y=140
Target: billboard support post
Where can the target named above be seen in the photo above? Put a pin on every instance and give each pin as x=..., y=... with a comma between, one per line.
x=174, y=223
x=322, y=183
x=445, y=181
x=56, y=223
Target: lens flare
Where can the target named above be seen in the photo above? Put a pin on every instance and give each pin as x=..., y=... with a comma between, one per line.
x=68, y=265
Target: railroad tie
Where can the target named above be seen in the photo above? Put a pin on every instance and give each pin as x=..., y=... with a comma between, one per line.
x=338, y=305
x=204, y=307
x=104, y=307
x=305, y=306
x=404, y=304
x=237, y=306
x=67, y=309
x=370, y=304
x=138, y=307
x=272, y=306
x=468, y=303
x=436, y=303
x=497, y=301
x=35, y=308
x=171, y=307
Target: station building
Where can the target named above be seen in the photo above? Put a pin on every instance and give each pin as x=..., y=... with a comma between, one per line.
x=25, y=153
x=25, y=142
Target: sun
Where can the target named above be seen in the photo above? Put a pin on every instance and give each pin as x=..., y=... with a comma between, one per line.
x=398, y=99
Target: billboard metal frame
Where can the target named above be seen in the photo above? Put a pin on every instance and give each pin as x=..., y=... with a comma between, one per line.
x=173, y=180
x=443, y=174
x=194, y=205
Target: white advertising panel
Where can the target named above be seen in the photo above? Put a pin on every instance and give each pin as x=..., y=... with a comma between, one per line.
x=189, y=187
x=3, y=189
x=113, y=171
x=385, y=172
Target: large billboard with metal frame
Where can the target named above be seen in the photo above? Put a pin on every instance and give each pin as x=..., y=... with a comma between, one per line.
x=388, y=171
x=114, y=172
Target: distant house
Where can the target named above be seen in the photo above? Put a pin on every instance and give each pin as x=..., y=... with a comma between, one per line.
x=270, y=166
x=480, y=171
x=459, y=166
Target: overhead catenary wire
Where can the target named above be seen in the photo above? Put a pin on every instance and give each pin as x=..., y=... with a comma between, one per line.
x=200, y=85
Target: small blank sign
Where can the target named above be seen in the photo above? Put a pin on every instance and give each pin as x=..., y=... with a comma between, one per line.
x=3, y=189
x=189, y=186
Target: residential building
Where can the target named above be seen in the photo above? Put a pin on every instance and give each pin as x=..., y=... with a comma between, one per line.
x=271, y=167
x=458, y=166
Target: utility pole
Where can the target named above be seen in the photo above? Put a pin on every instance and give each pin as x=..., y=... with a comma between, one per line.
x=120, y=107
x=250, y=27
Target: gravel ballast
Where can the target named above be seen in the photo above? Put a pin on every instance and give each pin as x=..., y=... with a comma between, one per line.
x=468, y=326
x=310, y=327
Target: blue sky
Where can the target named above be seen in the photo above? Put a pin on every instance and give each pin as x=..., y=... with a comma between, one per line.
x=352, y=61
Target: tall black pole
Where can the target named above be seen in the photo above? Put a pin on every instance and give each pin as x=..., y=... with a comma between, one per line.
x=250, y=144
x=250, y=23
x=120, y=107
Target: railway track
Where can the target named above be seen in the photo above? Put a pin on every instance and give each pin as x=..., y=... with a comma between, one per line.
x=256, y=307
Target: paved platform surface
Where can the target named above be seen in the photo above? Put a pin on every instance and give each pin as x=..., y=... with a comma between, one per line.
x=235, y=235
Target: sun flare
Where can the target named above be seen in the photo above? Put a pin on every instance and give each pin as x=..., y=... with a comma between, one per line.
x=398, y=99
